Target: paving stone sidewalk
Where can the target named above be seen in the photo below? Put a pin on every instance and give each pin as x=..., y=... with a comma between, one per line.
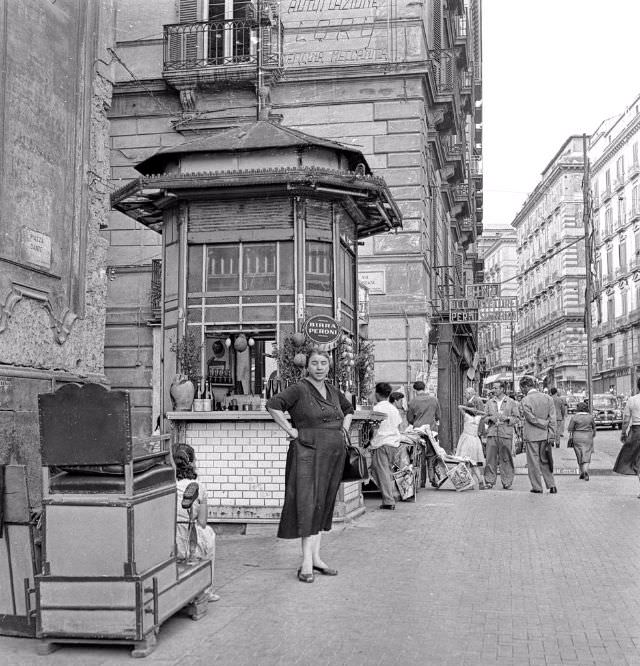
x=492, y=577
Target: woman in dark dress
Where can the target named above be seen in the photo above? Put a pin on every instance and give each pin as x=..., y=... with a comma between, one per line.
x=582, y=430
x=315, y=461
x=628, y=460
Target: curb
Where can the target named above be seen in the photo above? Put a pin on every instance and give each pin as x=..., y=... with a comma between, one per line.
x=570, y=471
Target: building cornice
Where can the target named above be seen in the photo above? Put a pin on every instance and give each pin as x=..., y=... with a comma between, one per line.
x=613, y=147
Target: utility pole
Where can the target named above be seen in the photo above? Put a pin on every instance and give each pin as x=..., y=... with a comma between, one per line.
x=588, y=245
x=513, y=357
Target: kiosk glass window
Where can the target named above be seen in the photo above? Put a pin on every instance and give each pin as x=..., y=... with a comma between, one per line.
x=319, y=278
x=223, y=268
x=259, y=267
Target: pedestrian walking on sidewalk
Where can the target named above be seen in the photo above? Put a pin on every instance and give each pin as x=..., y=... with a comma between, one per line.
x=384, y=445
x=582, y=430
x=424, y=409
x=560, y=403
x=628, y=460
x=539, y=429
x=469, y=444
x=320, y=415
x=502, y=416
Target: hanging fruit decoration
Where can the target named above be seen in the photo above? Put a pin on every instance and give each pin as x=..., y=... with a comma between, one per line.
x=298, y=339
x=240, y=343
x=300, y=360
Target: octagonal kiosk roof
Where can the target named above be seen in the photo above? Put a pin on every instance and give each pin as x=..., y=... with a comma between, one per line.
x=261, y=158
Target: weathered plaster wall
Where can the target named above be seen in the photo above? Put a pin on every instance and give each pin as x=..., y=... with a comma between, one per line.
x=52, y=276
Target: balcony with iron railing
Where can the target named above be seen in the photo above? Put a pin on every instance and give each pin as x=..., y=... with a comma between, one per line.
x=223, y=50
x=605, y=195
x=461, y=192
x=156, y=288
x=621, y=270
x=475, y=166
x=618, y=183
x=634, y=170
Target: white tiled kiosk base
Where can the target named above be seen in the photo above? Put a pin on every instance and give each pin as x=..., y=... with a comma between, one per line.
x=241, y=458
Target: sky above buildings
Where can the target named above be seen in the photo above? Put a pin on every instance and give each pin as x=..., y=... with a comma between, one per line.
x=551, y=68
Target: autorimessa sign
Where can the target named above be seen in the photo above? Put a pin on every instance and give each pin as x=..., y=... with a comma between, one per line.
x=322, y=331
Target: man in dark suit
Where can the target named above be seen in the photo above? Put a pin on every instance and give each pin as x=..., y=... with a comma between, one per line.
x=424, y=409
x=539, y=430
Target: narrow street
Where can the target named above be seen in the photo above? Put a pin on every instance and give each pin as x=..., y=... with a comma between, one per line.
x=453, y=579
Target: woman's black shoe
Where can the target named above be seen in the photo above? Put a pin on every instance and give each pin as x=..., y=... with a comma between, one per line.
x=389, y=507
x=305, y=578
x=585, y=476
x=553, y=490
x=327, y=571
x=533, y=490
x=581, y=475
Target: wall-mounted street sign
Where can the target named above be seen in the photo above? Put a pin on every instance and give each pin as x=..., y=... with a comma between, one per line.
x=482, y=290
x=322, y=331
x=481, y=310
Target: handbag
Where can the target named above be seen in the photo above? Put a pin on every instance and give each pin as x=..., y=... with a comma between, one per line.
x=355, y=463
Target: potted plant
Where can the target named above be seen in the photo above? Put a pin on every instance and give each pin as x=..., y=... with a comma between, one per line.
x=183, y=387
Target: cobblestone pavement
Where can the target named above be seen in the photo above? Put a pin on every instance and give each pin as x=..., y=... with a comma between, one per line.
x=493, y=577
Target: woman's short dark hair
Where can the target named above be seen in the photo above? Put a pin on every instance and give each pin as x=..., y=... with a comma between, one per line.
x=396, y=396
x=582, y=407
x=183, y=459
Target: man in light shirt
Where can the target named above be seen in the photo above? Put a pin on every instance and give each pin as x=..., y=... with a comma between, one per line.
x=502, y=415
x=384, y=445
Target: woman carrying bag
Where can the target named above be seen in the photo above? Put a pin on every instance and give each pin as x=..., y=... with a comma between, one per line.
x=582, y=430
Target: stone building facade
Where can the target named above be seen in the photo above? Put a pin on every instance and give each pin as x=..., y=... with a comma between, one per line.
x=399, y=81
x=496, y=340
x=615, y=186
x=550, y=336
x=54, y=197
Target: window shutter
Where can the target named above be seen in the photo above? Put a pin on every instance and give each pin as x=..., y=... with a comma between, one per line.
x=437, y=28
x=189, y=14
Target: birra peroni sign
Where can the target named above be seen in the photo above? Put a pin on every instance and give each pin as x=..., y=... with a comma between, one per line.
x=322, y=331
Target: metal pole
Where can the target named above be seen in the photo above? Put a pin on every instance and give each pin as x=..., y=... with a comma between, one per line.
x=513, y=358
x=588, y=244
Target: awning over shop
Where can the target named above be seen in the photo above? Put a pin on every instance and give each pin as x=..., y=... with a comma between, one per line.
x=499, y=377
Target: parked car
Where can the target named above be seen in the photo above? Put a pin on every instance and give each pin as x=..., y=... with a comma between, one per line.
x=606, y=411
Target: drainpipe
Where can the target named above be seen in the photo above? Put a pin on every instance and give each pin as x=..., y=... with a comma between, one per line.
x=408, y=343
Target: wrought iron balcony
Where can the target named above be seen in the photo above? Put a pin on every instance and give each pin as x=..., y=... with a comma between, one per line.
x=475, y=164
x=156, y=288
x=216, y=44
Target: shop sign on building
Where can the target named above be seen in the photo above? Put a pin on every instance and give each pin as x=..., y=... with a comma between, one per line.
x=374, y=281
x=322, y=331
x=482, y=310
x=321, y=33
x=482, y=290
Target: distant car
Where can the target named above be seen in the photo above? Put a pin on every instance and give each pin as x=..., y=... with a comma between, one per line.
x=572, y=403
x=606, y=411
